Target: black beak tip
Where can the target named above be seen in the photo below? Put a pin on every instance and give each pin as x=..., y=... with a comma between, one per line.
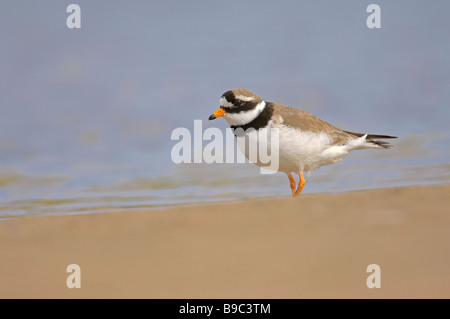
x=212, y=117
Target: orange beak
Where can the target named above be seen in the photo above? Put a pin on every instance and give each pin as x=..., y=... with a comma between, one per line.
x=220, y=112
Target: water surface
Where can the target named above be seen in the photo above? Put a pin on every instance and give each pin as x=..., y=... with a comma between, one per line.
x=86, y=115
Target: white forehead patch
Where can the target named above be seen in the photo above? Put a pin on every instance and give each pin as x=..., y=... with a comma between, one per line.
x=223, y=102
x=245, y=98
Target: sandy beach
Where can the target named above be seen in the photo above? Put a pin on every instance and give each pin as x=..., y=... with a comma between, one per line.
x=318, y=245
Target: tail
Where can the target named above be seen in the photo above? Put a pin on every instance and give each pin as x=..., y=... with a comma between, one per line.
x=371, y=139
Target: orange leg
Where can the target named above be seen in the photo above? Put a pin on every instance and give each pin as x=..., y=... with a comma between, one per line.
x=301, y=183
x=291, y=183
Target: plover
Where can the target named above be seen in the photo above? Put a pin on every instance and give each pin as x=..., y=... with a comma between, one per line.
x=306, y=142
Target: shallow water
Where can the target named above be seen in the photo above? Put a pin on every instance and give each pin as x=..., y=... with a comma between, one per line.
x=86, y=115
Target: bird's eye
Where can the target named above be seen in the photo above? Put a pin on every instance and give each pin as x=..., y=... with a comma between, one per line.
x=238, y=102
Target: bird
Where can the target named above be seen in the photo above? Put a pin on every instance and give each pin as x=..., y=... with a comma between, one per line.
x=306, y=142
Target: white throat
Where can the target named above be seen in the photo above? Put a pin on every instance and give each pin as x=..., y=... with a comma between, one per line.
x=244, y=117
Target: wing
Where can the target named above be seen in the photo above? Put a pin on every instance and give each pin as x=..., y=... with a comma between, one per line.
x=305, y=121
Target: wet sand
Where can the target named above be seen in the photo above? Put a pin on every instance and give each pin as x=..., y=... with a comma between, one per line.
x=318, y=245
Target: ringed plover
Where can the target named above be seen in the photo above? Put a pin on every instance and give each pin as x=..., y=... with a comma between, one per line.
x=306, y=142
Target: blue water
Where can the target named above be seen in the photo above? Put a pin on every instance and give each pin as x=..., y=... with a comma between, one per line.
x=86, y=115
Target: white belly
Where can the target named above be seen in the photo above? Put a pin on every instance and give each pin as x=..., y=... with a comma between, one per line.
x=297, y=150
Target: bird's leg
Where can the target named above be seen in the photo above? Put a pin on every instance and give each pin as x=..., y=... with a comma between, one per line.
x=291, y=183
x=301, y=183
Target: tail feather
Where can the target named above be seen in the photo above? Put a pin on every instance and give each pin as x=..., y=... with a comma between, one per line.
x=381, y=144
x=372, y=138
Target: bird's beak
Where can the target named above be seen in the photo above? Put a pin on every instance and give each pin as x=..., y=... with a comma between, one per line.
x=220, y=112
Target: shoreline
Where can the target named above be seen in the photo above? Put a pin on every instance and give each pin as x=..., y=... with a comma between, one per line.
x=315, y=246
x=102, y=209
